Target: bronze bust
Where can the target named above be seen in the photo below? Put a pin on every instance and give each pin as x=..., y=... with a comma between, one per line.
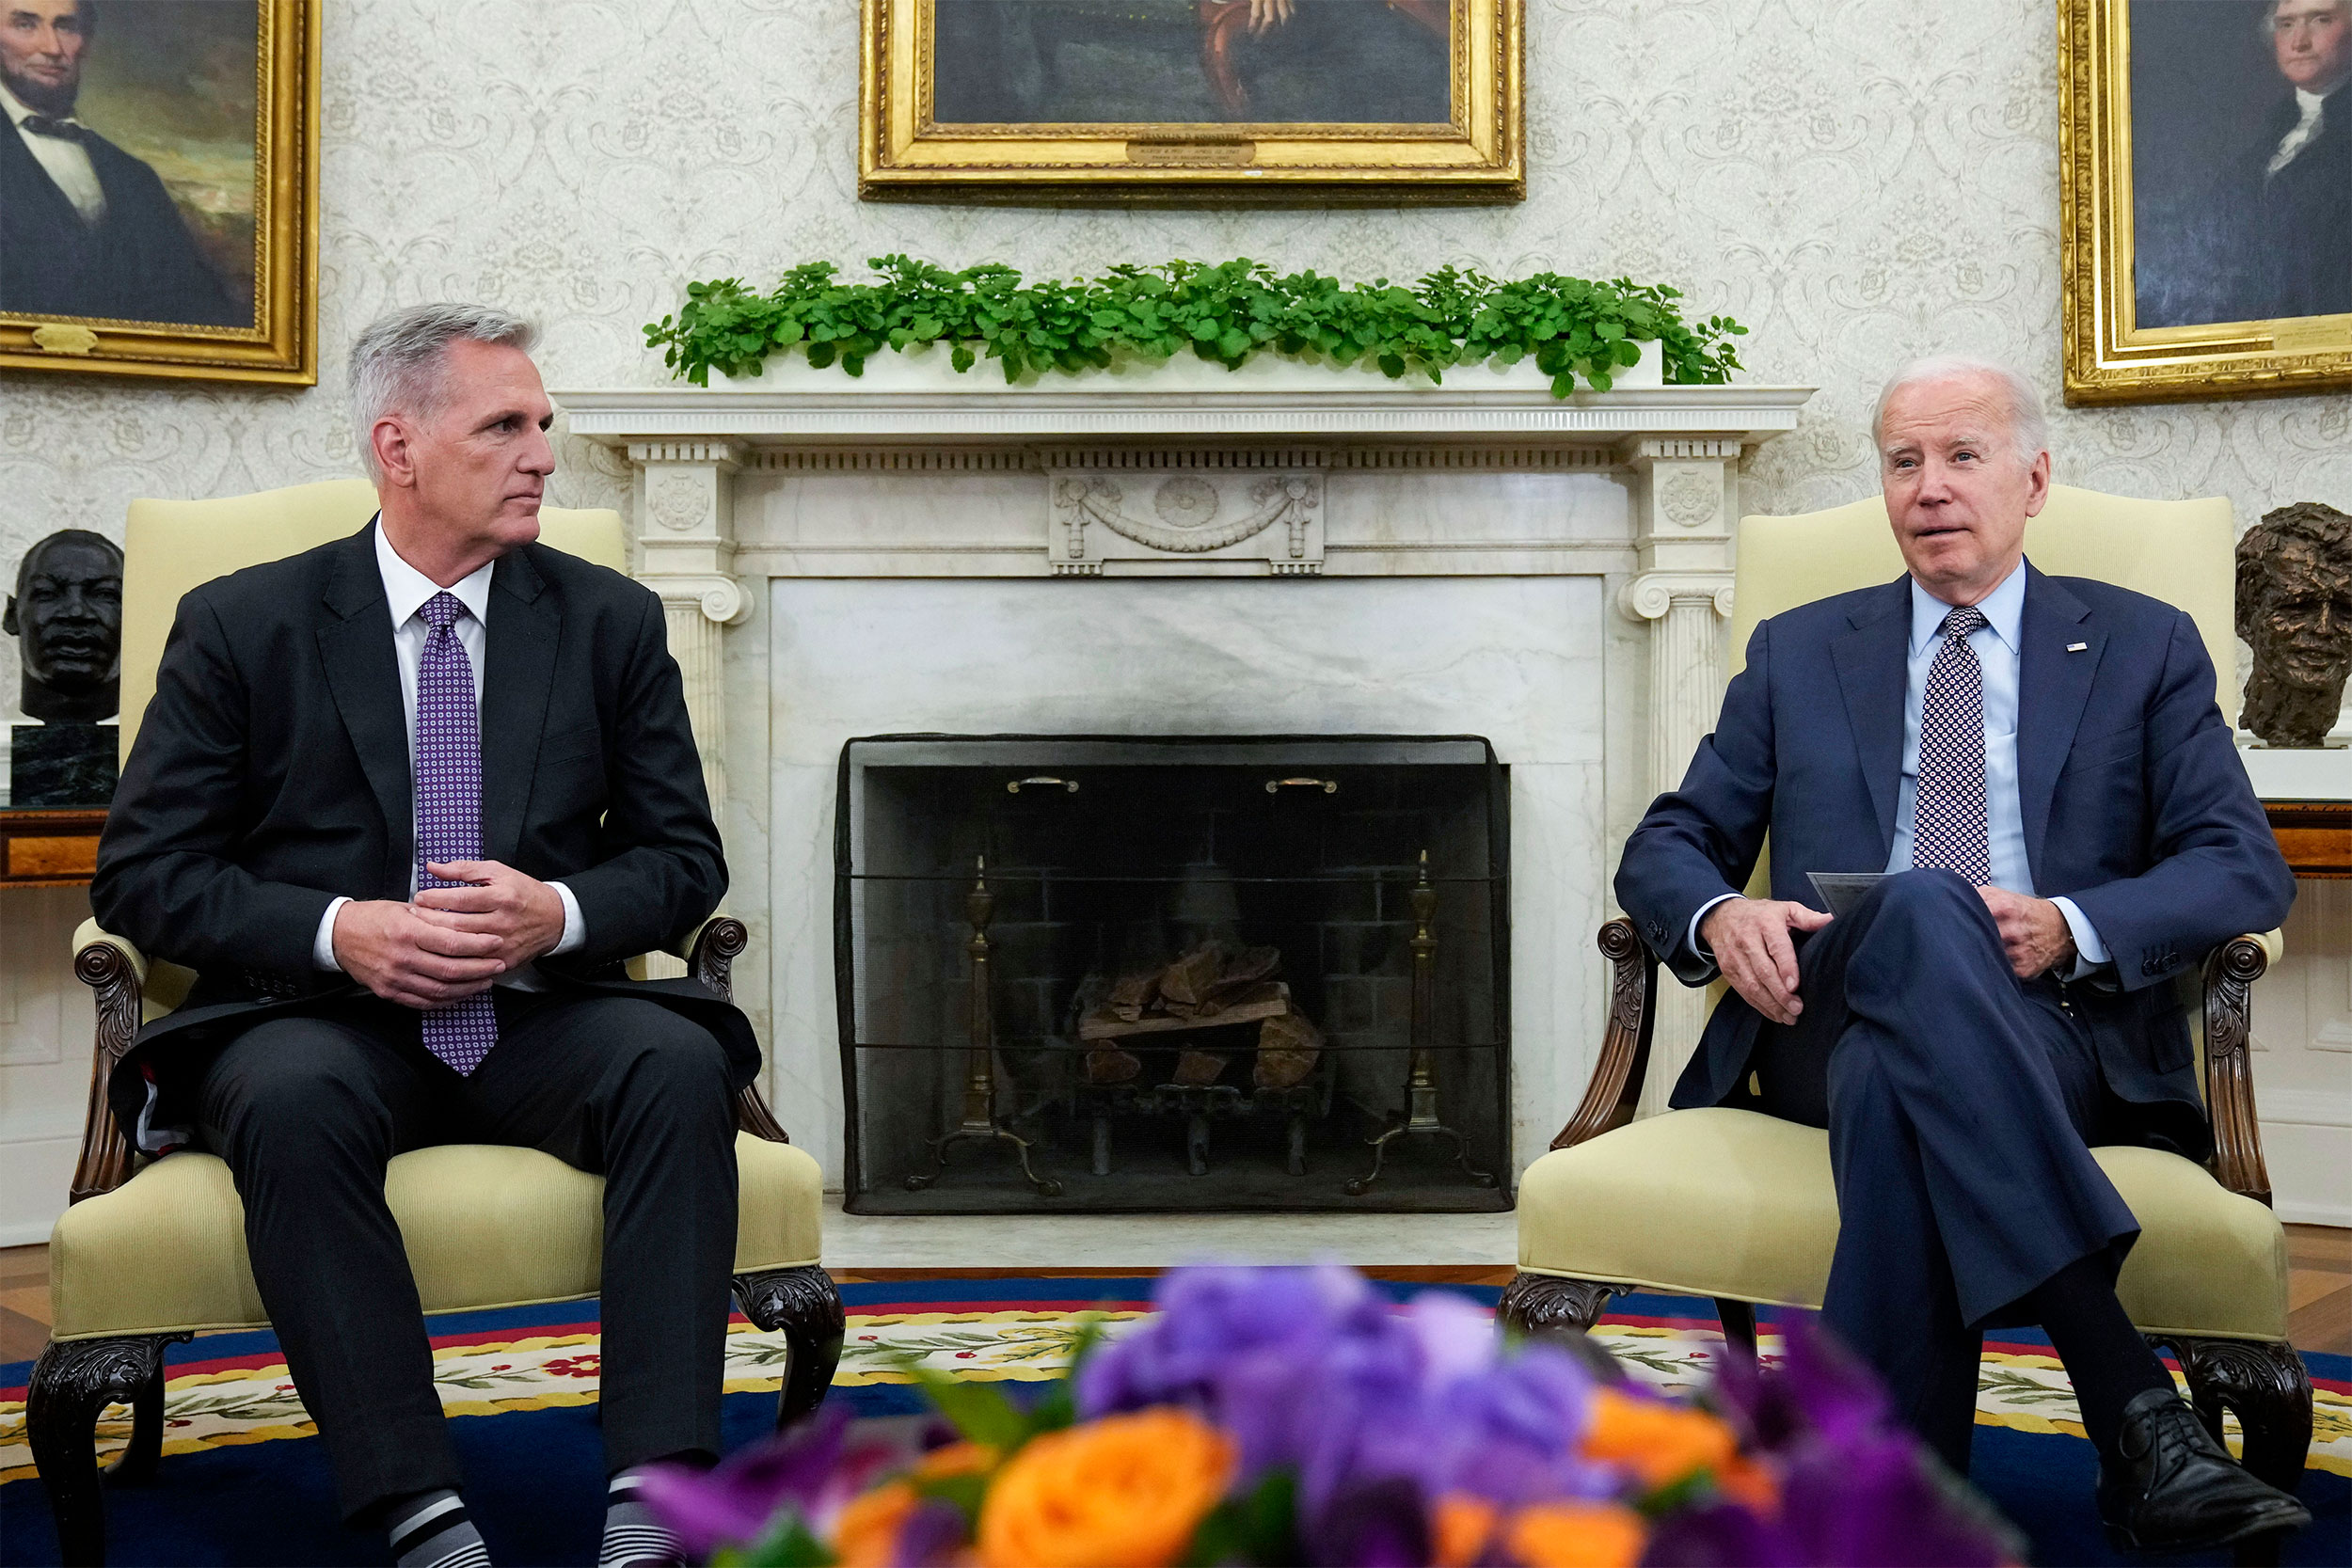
x=66, y=617
x=2295, y=607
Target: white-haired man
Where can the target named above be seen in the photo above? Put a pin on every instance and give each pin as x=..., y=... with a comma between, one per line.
x=2038, y=767
x=406, y=803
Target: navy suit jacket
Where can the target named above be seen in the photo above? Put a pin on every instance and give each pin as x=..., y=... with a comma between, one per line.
x=2135, y=804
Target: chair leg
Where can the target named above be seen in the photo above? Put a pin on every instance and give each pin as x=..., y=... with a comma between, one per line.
x=804, y=1304
x=2268, y=1387
x=135, y=1463
x=73, y=1382
x=1738, y=1320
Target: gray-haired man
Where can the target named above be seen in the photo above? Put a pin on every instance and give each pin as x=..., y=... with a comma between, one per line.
x=406, y=803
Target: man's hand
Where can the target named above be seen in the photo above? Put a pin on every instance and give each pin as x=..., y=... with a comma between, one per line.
x=1750, y=939
x=405, y=955
x=2034, y=932
x=522, y=914
x=1267, y=14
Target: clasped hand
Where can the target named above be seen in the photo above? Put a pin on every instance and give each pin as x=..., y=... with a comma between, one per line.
x=1751, y=940
x=449, y=942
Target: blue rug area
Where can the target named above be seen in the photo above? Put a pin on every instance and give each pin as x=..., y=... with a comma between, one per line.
x=536, y=1475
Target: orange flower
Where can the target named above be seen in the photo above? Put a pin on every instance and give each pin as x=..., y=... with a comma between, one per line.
x=867, y=1532
x=956, y=1459
x=1124, y=1492
x=1576, y=1535
x=1458, y=1527
x=1661, y=1443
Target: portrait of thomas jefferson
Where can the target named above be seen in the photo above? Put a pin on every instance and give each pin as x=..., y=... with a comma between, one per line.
x=88, y=228
x=2243, y=159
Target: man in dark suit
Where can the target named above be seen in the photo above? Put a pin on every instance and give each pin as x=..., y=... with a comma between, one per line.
x=85, y=228
x=406, y=803
x=2038, y=765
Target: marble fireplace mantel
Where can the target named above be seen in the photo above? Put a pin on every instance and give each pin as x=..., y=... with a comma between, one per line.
x=1676, y=450
x=745, y=497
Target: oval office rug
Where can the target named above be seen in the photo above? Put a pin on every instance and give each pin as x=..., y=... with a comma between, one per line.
x=244, y=1480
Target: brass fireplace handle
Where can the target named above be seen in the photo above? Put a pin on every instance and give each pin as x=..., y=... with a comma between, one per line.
x=1330, y=786
x=1070, y=785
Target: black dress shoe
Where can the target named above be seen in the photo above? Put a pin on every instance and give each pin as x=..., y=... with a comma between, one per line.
x=2170, y=1488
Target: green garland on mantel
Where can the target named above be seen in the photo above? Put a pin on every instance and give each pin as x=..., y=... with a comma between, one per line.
x=1575, y=330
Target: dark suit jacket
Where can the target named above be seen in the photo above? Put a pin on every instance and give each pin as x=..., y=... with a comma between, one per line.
x=2134, y=801
x=2297, y=248
x=138, y=265
x=271, y=773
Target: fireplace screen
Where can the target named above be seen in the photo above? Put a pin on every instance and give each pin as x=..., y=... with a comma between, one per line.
x=1174, y=973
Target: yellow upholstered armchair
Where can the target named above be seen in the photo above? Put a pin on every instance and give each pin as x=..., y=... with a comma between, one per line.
x=1739, y=1207
x=152, y=1252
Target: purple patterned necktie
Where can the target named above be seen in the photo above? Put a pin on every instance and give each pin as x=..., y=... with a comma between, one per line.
x=1948, y=827
x=448, y=809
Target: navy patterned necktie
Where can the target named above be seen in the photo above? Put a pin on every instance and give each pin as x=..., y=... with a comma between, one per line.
x=1948, y=827
x=449, y=808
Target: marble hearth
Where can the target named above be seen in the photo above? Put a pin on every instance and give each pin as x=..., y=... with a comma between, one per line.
x=1311, y=556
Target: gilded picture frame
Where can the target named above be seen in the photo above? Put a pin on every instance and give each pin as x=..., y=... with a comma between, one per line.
x=1192, y=103
x=2205, y=243
x=196, y=253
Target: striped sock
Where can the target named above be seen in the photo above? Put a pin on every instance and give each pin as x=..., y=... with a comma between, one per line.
x=633, y=1538
x=431, y=1530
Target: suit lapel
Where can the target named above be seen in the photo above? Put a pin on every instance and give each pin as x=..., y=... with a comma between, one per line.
x=1873, y=662
x=363, y=672
x=517, y=678
x=2053, y=684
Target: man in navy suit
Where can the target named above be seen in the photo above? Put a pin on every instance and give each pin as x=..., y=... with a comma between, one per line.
x=2038, y=765
x=85, y=228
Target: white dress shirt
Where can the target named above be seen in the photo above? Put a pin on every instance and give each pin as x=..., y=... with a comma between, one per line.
x=1996, y=645
x=406, y=591
x=2314, y=106
x=68, y=161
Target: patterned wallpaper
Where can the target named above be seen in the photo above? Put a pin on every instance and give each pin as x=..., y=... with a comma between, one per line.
x=1859, y=181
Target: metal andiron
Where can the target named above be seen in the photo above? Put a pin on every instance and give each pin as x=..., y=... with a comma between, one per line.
x=980, y=1085
x=1421, y=1113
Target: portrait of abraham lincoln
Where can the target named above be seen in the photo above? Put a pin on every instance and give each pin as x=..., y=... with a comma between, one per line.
x=127, y=164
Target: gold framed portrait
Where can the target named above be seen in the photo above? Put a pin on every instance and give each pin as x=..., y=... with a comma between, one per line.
x=159, y=187
x=2205, y=177
x=1192, y=103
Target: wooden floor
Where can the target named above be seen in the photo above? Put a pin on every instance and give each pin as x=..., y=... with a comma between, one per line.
x=2319, y=1289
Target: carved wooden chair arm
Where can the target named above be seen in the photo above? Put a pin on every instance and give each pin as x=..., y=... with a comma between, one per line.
x=710, y=958
x=116, y=971
x=1610, y=1098
x=2231, y=971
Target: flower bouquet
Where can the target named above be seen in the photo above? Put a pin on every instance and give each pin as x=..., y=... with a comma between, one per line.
x=1296, y=1415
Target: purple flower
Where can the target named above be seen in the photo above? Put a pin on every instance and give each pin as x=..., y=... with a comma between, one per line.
x=1820, y=1387
x=811, y=1469
x=930, y=1535
x=1293, y=1362
x=1723, y=1536
x=1510, y=1433
x=1855, y=1487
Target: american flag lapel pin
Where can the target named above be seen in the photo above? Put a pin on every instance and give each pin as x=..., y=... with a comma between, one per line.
x=2076, y=647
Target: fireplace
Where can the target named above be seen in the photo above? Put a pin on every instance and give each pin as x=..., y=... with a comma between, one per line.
x=1107, y=974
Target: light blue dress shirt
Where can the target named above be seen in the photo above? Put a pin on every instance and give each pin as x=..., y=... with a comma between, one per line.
x=1996, y=645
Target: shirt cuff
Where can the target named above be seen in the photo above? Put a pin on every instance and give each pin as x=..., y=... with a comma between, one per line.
x=1692, y=937
x=575, y=929
x=322, y=945
x=2090, y=952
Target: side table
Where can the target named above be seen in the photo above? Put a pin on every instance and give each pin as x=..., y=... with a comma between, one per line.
x=2314, y=835
x=49, y=849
